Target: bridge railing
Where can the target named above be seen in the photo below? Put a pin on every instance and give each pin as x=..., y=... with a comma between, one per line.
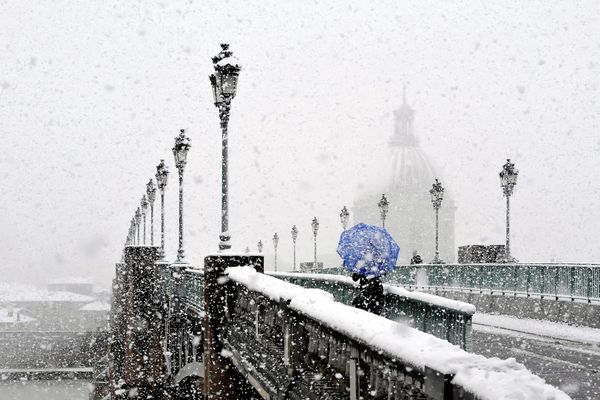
x=293, y=342
x=443, y=318
x=558, y=281
x=193, y=281
x=447, y=319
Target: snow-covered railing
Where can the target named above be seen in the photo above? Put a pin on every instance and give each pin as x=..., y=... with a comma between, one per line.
x=557, y=281
x=293, y=342
x=441, y=317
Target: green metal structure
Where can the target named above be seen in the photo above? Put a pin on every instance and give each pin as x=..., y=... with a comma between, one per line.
x=558, y=281
x=443, y=320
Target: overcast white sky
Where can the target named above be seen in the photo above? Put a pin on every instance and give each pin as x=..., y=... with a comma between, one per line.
x=93, y=93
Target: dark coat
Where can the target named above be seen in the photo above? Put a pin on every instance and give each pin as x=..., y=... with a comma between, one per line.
x=371, y=296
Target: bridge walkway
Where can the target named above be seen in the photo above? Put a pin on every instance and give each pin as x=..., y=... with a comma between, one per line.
x=568, y=362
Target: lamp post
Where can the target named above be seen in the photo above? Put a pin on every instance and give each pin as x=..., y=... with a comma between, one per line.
x=180, y=151
x=260, y=246
x=294, y=237
x=315, y=229
x=384, y=205
x=344, y=217
x=138, y=220
x=437, y=195
x=275, y=242
x=224, y=83
x=144, y=208
x=508, y=181
x=151, y=195
x=162, y=174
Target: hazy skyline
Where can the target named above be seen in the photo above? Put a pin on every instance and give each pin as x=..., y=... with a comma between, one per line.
x=92, y=96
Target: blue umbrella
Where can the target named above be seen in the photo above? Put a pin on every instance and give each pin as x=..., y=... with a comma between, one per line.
x=368, y=250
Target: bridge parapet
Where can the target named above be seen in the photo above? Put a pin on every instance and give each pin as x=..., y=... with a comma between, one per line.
x=441, y=317
x=297, y=343
x=574, y=282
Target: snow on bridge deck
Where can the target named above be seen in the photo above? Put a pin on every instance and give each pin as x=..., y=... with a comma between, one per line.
x=486, y=378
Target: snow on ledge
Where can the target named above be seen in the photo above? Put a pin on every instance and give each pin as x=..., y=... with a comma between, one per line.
x=72, y=280
x=195, y=270
x=486, y=378
x=439, y=301
x=96, y=306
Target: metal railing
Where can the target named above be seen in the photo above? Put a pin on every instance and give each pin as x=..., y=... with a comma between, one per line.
x=449, y=320
x=286, y=354
x=558, y=281
x=446, y=322
x=193, y=284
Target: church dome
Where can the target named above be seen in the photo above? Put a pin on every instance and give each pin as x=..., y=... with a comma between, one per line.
x=411, y=170
x=406, y=184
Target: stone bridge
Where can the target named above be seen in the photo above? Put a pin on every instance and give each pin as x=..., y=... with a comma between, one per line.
x=227, y=330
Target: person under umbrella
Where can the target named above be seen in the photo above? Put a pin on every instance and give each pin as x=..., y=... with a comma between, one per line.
x=371, y=296
x=368, y=252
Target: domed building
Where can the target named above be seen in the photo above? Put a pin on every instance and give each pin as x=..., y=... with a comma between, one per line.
x=411, y=218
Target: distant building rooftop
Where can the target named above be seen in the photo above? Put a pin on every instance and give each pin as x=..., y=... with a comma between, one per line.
x=24, y=293
x=71, y=280
x=96, y=306
x=13, y=316
x=84, y=286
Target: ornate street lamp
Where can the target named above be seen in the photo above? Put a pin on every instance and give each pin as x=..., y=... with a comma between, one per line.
x=224, y=84
x=138, y=220
x=384, y=205
x=260, y=246
x=437, y=195
x=151, y=195
x=315, y=229
x=275, y=242
x=180, y=151
x=162, y=174
x=144, y=208
x=508, y=181
x=294, y=237
x=344, y=217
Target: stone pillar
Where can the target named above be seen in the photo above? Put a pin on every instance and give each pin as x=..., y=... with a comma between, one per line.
x=221, y=379
x=116, y=348
x=143, y=362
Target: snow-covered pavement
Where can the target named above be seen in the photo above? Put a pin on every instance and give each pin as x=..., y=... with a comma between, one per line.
x=555, y=330
x=567, y=357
